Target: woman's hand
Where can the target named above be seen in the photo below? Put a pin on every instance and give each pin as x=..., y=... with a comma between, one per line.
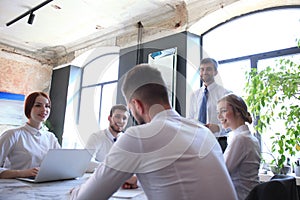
x=28, y=172
x=20, y=173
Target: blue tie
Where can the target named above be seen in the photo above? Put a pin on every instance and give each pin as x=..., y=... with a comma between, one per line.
x=203, y=108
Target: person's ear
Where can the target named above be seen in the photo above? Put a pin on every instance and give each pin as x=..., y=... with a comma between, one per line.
x=216, y=72
x=139, y=106
x=109, y=117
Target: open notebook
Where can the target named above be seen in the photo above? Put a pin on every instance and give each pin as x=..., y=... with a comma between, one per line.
x=61, y=164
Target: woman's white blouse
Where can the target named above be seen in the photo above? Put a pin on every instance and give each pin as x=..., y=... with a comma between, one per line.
x=242, y=158
x=25, y=147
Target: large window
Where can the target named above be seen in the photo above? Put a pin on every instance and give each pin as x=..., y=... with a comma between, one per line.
x=255, y=33
x=97, y=94
x=256, y=40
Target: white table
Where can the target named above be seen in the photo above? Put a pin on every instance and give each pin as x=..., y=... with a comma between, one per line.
x=12, y=189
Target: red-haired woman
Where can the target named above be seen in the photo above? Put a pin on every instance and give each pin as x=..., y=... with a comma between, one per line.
x=22, y=149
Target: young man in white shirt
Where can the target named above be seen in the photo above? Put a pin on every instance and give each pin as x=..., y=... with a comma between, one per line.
x=102, y=141
x=173, y=157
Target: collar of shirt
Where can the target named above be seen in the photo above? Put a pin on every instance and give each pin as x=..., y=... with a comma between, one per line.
x=244, y=129
x=32, y=130
x=110, y=135
x=210, y=87
x=158, y=120
x=163, y=114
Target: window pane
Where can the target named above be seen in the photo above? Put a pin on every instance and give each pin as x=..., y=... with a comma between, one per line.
x=255, y=33
x=108, y=100
x=232, y=76
x=88, y=116
x=263, y=64
x=278, y=125
x=102, y=69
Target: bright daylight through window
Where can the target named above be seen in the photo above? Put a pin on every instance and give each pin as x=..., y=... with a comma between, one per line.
x=243, y=42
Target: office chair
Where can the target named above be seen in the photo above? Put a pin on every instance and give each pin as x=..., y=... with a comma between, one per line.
x=280, y=187
x=290, y=184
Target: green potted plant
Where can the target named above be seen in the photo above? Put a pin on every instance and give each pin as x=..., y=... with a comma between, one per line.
x=273, y=95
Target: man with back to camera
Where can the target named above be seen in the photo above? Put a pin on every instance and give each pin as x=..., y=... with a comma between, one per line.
x=173, y=157
x=213, y=91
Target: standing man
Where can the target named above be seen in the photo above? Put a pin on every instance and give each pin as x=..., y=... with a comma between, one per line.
x=203, y=102
x=173, y=157
x=103, y=140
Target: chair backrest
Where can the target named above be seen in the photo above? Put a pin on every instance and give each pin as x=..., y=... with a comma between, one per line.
x=289, y=182
x=280, y=187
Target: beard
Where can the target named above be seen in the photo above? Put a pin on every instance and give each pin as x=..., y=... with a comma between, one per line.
x=139, y=120
x=113, y=127
x=207, y=79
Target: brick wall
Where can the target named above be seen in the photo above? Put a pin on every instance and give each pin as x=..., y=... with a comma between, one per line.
x=22, y=75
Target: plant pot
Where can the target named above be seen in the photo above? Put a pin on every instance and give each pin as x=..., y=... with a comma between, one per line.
x=285, y=170
x=276, y=170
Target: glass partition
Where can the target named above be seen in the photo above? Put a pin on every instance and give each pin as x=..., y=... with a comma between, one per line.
x=165, y=61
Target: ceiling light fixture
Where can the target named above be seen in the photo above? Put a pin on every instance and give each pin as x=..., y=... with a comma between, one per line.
x=30, y=13
x=31, y=18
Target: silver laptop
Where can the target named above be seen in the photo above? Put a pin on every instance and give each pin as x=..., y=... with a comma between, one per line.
x=62, y=164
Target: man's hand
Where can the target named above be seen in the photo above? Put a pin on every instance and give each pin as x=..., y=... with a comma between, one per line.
x=213, y=127
x=131, y=183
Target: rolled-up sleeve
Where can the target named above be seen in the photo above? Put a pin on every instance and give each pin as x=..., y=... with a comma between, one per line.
x=101, y=185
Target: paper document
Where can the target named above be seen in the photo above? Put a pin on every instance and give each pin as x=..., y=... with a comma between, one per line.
x=128, y=193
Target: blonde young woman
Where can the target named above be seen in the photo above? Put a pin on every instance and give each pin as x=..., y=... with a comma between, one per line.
x=242, y=155
x=22, y=149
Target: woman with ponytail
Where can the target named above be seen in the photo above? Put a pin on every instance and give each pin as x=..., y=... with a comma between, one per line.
x=242, y=155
